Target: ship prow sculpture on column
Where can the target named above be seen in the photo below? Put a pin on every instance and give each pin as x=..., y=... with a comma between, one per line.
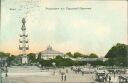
x=23, y=43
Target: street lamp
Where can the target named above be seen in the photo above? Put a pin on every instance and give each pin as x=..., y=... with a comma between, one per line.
x=6, y=70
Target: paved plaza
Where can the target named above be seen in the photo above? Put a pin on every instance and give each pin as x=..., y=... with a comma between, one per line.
x=34, y=74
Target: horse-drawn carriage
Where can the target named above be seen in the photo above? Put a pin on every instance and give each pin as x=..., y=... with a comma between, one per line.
x=83, y=70
x=101, y=75
x=123, y=79
x=87, y=70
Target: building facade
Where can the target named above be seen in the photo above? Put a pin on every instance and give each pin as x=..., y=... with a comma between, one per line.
x=50, y=53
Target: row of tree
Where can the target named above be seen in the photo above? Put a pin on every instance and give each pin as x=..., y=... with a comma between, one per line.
x=78, y=55
x=2, y=54
x=117, y=55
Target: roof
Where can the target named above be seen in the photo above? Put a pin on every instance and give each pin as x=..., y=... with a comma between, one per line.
x=49, y=50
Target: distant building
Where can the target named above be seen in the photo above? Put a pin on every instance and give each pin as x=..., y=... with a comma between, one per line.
x=49, y=53
x=92, y=59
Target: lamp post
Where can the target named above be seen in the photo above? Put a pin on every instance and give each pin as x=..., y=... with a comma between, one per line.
x=6, y=70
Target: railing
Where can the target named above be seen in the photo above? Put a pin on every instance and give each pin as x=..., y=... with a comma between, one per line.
x=26, y=35
x=21, y=41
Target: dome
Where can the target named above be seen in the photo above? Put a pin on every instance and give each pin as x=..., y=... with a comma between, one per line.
x=49, y=47
x=49, y=50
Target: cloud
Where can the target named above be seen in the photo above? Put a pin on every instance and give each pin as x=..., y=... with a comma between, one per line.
x=92, y=27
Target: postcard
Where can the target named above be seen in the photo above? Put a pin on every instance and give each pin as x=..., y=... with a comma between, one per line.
x=64, y=41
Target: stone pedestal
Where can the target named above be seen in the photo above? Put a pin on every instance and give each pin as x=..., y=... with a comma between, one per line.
x=24, y=59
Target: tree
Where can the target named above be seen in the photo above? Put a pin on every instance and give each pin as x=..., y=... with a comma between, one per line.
x=31, y=57
x=11, y=60
x=77, y=54
x=2, y=54
x=92, y=55
x=58, y=57
x=120, y=50
x=69, y=54
x=117, y=55
x=39, y=56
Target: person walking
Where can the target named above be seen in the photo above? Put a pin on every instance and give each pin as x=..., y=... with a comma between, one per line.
x=82, y=73
x=109, y=79
x=54, y=72
x=106, y=78
x=114, y=73
x=60, y=71
x=66, y=70
x=61, y=77
x=65, y=77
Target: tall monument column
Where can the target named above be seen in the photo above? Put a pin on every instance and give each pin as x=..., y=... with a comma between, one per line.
x=23, y=42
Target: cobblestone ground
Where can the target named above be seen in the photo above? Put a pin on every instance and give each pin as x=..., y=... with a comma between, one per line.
x=50, y=76
x=39, y=79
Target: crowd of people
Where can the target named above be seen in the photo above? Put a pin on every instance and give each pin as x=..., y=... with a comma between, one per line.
x=105, y=76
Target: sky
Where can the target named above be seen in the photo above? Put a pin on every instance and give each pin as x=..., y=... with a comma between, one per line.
x=93, y=30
